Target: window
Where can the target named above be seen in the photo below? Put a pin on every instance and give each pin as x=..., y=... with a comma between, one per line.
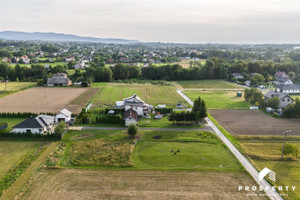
x=288, y=100
x=282, y=100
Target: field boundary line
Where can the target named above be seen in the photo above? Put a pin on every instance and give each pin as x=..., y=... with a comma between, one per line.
x=273, y=195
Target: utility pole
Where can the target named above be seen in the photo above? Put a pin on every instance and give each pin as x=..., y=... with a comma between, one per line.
x=285, y=134
x=147, y=96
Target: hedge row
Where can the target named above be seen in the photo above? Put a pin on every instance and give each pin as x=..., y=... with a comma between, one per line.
x=22, y=115
x=110, y=118
x=29, y=135
x=164, y=110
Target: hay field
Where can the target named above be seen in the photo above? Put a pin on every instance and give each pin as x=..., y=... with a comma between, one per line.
x=41, y=99
x=138, y=184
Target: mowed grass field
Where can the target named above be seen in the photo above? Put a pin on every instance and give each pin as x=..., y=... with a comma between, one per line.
x=216, y=99
x=41, y=99
x=11, y=152
x=77, y=184
x=208, y=84
x=157, y=94
x=13, y=86
x=11, y=122
x=183, y=149
x=266, y=152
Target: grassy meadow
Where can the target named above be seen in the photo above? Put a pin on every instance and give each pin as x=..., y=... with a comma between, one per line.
x=11, y=122
x=208, y=84
x=11, y=152
x=109, y=93
x=14, y=86
x=266, y=152
x=216, y=99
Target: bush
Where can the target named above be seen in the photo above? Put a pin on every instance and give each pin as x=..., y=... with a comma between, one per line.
x=132, y=130
x=164, y=110
x=290, y=151
x=84, y=84
x=40, y=82
x=60, y=128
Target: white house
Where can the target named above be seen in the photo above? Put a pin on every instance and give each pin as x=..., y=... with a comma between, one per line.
x=283, y=81
x=285, y=99
x=237, y=76
x=64, y=115
x=41, y=124
x=135, y=103
x=288, y=89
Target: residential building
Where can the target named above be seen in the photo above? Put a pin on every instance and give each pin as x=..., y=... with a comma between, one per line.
x=64, y=115
x=42, y=124
x=237, y=76
x=285, y=99
x=59, y=79
x=130, y=117
x=288, y=89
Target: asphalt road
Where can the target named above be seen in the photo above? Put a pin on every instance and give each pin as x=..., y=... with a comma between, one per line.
x=247, y=165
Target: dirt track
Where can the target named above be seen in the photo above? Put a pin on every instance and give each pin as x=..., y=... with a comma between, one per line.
x=254, y=122
x=41, y=99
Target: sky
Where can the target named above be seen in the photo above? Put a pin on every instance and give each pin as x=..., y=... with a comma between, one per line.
x=182, y=21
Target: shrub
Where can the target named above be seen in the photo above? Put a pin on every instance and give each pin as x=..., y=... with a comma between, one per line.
x=156, y=137
x=290, y=151
x=132, y=130
x=60, y=128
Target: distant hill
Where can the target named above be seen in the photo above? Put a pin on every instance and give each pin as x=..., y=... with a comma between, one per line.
x=16, y=35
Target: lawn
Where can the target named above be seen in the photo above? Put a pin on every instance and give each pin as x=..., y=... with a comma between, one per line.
x=14, y=86
x=157, y=94
x=208, y=84
x=54, y=64
x=183, y=150
x=219, y=99
x=10, y=122
x=266, y=153
x=11, y=152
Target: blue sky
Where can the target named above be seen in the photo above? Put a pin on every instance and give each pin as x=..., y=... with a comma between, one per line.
x=193, y=21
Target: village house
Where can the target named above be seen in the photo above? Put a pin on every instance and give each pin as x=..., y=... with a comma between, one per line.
x=80, y=65
x=42, y=124
x=135, y=104
x=6, y=59
x=130, y=117
x=25, y=59
x=283, y=81
x=281, y=74
x=288, y=89
x=237, y=76
x=59, y=79
x=285, y=99
x=64, y=115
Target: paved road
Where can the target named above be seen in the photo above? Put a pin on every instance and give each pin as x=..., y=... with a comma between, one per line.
x=78, y=128
x=248, y=166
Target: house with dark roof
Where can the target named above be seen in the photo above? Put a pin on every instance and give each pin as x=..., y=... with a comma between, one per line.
x=283, y=81
x=130, y=117
x=42, y=124
x=285, y=99
x=237, y=76
x=59, y=79
x=288, y=89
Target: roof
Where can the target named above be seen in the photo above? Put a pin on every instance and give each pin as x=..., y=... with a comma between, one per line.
x=130, y=113
x=288, y=87
x=272, y=94
x=66, y=112
x=58, y=80
x=38, y=122
x=133, y=99
x=236, y=75
x=280, y=74
x=282, y=79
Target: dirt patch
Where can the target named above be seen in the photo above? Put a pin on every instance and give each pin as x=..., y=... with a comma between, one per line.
x=41, y=99
x=254, y=122
x=139, y=184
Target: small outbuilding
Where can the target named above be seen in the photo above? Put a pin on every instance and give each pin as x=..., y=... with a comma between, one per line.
x=130, y=117
x=64, y=115
x=59, y=79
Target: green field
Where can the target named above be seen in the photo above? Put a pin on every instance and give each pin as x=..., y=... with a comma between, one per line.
x=14, y=86
x=266, y=152
x=111, y=148
x=157, y=94
x=208, y=84
x=11, y=152
x=219, y=99
x=29, y=65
